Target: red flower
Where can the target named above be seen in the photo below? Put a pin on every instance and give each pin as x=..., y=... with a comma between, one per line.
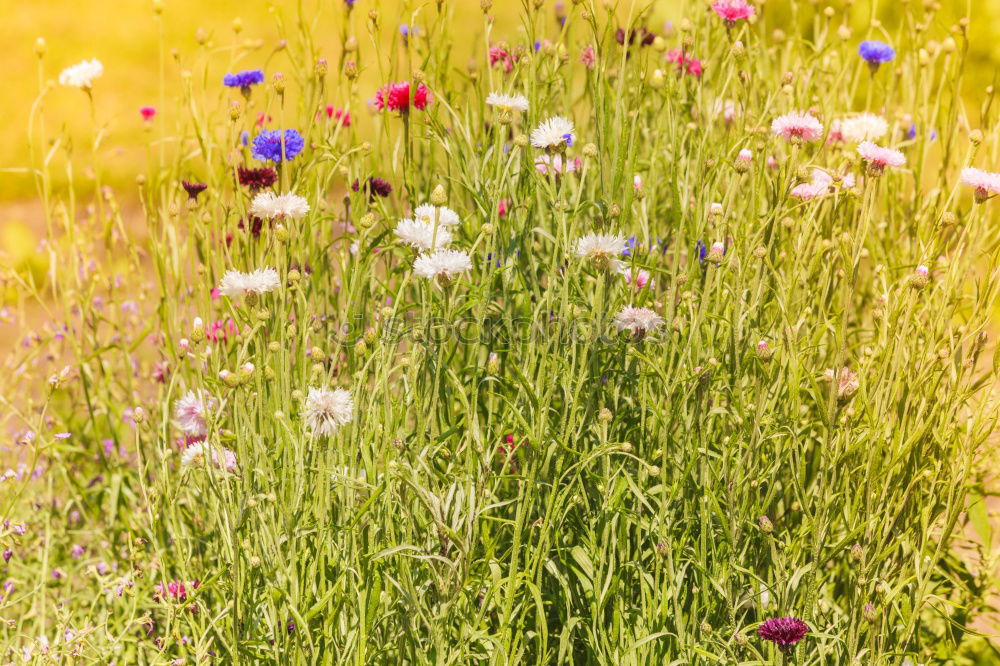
x=396, y=97
x=498, y=54
x=684, y=62
x=343, y=117
x=147, y=113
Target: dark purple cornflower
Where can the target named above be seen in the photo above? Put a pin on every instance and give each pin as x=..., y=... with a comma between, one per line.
x=193, y=189
x=254, y=224
x=243, y=80
x=374, y=187
x=257, y=179
x=7, y=554
x=784, y=632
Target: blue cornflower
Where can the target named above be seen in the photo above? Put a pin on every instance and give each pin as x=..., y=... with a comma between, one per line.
x=538, y=45
x=701, y=251
x=267, y=145
x=876, y=53
x=243, y=80
x=912, y=132
x=630, y=245
x=569, y=139
x=245, y=138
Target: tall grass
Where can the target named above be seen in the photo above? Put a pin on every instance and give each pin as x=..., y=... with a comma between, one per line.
x=519, y=481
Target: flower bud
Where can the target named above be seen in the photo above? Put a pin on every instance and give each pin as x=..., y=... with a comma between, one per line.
x=197, y=330
x=604, y=416
x=766, y=526
x=919, y=278
x=857, y=552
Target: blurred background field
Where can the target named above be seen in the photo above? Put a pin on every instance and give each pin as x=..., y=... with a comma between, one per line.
x=133, y=43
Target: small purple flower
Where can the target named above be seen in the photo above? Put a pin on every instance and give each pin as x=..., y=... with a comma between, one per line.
x=61, y=435
x=630, y=245
x=784, y=632
x=76, y=551
x=275, y=146
x=876, y=53
x=7, y=554
x=243, y=80
x=702, y=251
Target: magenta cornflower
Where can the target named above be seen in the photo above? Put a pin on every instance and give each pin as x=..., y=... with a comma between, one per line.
x=588, y=57
x=797, y=126
x=396, y=97
x=733, y=11
x=784, y=632
x=684, y=62
x=174, y=590
x=878, y=158
x=147, y=112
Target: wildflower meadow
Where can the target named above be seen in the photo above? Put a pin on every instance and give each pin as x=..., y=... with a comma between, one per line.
x=585, y=337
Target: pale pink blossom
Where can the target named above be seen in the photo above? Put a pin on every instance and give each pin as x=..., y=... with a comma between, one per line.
x=797, y=125
x=732, y=11
x=878, y=158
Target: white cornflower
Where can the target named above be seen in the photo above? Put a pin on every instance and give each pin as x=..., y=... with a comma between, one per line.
x=191, y=412
x=637, y=321
x=235, y=283
x=553, y=134
x=198, y=454
x=440, y=215
x=421, y=235
x=864, y=127
x=326, y=411
x=508, y=102
x=81, y=75
x=446, y=263
x=603, y=249
x=269, y=205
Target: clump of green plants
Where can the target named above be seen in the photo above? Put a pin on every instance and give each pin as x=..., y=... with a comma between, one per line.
x=626, y=343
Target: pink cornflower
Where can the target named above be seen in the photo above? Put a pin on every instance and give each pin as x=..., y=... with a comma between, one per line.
x=588, y=57
x=500, y=55
x=797, y=125
x=784, y=632
x=220, y=331
x=396, y=97
x=986, y=184
x=502, y=207
x=732, y=11
x=637, y=278
x=340, y=115
x=174, y=590
x=879, y=158
x=147, y=113
x=684, y=62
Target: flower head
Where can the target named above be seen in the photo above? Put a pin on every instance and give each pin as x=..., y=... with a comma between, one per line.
x=556, y=133
x=638, y=321
x=847, y=382
x=797, y=125
x=878, y=158
x=876, y=53
x=340, y=115
x=443, y=263
x=555, y=163
x=256, y=179
x=193, y=189
x=147, y=112
x=276, y=146
x=202, y=454
x=270, y=205
x=82, y=74
x=191, y=412
x=396, y=97
x=440, y=215
x=986, y=184
x=326, y=411
x=374, y=187
x=235, y=283
x=508, y=102
x=821, y=184
x=243, y=80
x=422, y=235
x=685, y=63
x=732, y=11
x=863, y=127
x=602, y=249
x=784, y=632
